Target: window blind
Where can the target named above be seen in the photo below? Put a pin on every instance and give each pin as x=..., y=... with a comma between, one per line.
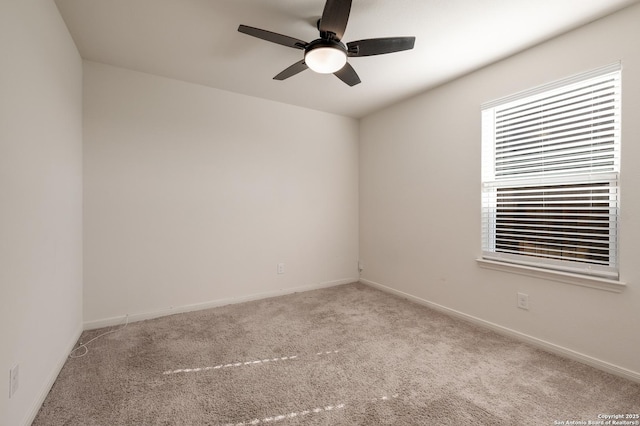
x=551, y=159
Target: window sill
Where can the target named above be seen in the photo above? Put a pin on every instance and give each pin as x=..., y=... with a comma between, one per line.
x=548, y=274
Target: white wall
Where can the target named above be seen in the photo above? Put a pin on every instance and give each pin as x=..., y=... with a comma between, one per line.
x=420, y=201
x=40, y=201
x=193, y=195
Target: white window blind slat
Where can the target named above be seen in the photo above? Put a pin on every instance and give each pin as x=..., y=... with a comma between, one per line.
x=588, y=124
x=561, y=101
x=595, y=138
x=563, y=109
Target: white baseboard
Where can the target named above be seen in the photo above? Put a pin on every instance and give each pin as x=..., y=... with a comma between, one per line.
x=133, y=317
x=534, y=341
x=44, y=391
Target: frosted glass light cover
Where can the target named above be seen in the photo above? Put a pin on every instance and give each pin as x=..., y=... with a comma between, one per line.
x=325, y=60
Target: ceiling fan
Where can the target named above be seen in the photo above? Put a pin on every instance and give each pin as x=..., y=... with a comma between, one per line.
x=327, y=54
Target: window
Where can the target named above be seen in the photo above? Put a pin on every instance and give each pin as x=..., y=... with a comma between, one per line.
x=550, y=166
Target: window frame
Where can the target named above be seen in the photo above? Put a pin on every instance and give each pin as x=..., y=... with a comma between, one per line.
x=494, y=259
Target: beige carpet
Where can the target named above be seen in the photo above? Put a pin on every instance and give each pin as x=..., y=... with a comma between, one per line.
x=347, y=355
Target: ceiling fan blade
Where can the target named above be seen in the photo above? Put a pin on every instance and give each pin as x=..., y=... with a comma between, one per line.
x=348, y=75
x=379, y=46
x=273, y=37
x=334, y=18
x=291, y=71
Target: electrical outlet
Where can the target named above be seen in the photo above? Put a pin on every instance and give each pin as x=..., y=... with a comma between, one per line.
x=14, y=379
x=281, y=268
x=523, y=301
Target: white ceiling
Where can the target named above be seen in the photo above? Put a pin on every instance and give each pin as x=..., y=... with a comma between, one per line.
x=197, y=41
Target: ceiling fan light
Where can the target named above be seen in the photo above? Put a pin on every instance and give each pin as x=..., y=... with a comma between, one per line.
x=325, y=59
